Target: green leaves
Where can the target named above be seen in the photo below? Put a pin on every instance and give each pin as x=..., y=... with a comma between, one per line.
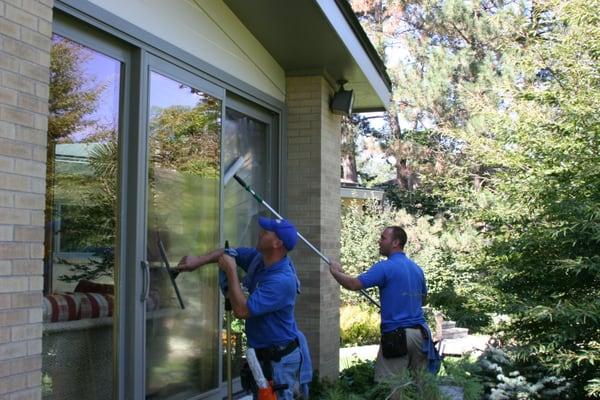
x=496, y=131
x=71, y=101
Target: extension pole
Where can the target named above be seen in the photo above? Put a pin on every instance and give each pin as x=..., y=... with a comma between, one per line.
x=228, y=347
x=228, y=344
x=313, y=248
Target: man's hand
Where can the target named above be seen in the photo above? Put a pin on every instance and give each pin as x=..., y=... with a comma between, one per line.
x=335, y=266
x=347, y=281
x=226, y=263
x=189, y=263
x=239, y=304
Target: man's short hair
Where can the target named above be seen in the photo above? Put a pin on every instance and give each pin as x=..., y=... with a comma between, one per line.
x=398, y=234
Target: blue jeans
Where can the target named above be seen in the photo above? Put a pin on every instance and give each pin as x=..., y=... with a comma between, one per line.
x=287, y=371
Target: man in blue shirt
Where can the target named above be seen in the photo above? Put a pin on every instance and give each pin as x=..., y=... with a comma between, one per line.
x=406, y=338
x=272, y=285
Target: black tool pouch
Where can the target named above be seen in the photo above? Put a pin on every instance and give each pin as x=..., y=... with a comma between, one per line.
x=393, y=344
x=246, y=378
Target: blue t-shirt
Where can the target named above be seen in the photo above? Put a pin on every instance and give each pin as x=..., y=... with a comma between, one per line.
x=401, y=285
x=272, y=299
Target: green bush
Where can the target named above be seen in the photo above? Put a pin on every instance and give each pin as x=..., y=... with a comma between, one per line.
x=357, y=382
x=505, y=377
x=359, y=326
x=358, y=377
x=464, y=372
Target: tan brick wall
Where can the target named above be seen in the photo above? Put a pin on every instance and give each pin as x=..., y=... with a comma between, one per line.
x=25, y=30
x=314, y=205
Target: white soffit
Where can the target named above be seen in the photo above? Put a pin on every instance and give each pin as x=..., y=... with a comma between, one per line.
x=308, y=37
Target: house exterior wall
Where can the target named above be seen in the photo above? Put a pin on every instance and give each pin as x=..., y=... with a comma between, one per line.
x=314, y=205
x=209, y=30
x=312, y=167
x=25, y=31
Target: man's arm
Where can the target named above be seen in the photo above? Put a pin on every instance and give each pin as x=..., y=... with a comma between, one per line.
x=347, y=281
x=239, y=303
x=190, y=263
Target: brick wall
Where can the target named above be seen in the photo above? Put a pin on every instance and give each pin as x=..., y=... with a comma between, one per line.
x=25, y=31
x=314, y=205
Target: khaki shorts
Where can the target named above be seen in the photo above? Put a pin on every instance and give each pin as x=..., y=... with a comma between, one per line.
x=414, y=359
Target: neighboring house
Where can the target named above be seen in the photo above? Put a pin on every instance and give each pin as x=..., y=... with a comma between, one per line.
x=353, y=193
x=150, y=102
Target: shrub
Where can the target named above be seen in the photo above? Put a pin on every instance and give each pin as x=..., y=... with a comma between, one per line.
x=463, y=372
x=505, y=379
x=359, y=326
x=357, y=382
x=359, y=377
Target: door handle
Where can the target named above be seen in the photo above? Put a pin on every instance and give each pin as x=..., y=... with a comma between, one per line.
x=146, y=280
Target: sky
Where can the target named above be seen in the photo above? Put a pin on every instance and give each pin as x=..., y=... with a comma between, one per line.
x=101, y=70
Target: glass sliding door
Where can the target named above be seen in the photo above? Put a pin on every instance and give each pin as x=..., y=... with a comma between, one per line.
x=80, y=262
x=183, y=310
x=249, y=138
x=137, y=147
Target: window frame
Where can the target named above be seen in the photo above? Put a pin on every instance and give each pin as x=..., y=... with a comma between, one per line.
x=99, y=41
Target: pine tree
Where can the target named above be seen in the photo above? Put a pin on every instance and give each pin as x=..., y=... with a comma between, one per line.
x=542, y=216
x=438, y=52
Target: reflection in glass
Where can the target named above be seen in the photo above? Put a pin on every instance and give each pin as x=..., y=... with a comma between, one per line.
x=182, y=348
x=243, y=137
x=80, y=223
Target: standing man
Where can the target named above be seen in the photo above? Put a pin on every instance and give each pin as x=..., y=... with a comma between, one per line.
x=405, y=336
x=272, y=285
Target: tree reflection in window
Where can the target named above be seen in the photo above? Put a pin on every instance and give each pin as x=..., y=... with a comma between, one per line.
x=81, y=180
x=186, y=138
x=183, y=213
x=80, y=222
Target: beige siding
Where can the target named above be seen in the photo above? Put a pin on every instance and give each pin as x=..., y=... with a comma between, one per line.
x=208, y=30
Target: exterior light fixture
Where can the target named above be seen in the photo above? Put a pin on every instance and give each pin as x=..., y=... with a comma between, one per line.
x=341, y=103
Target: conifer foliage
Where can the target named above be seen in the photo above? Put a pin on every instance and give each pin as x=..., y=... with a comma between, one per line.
x=495, y=123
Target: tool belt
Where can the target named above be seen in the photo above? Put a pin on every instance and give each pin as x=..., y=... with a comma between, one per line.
x=276, y=353
x=265, y=356
x=393, y=344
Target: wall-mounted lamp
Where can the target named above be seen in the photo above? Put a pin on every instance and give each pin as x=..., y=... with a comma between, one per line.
x=341, y=103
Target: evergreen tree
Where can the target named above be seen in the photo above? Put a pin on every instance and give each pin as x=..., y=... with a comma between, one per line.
x=438, y=52
x=495, y=118
x=542, y=216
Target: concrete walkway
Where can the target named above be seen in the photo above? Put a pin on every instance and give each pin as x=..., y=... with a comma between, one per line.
x=468, y=344
x=350, y=354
